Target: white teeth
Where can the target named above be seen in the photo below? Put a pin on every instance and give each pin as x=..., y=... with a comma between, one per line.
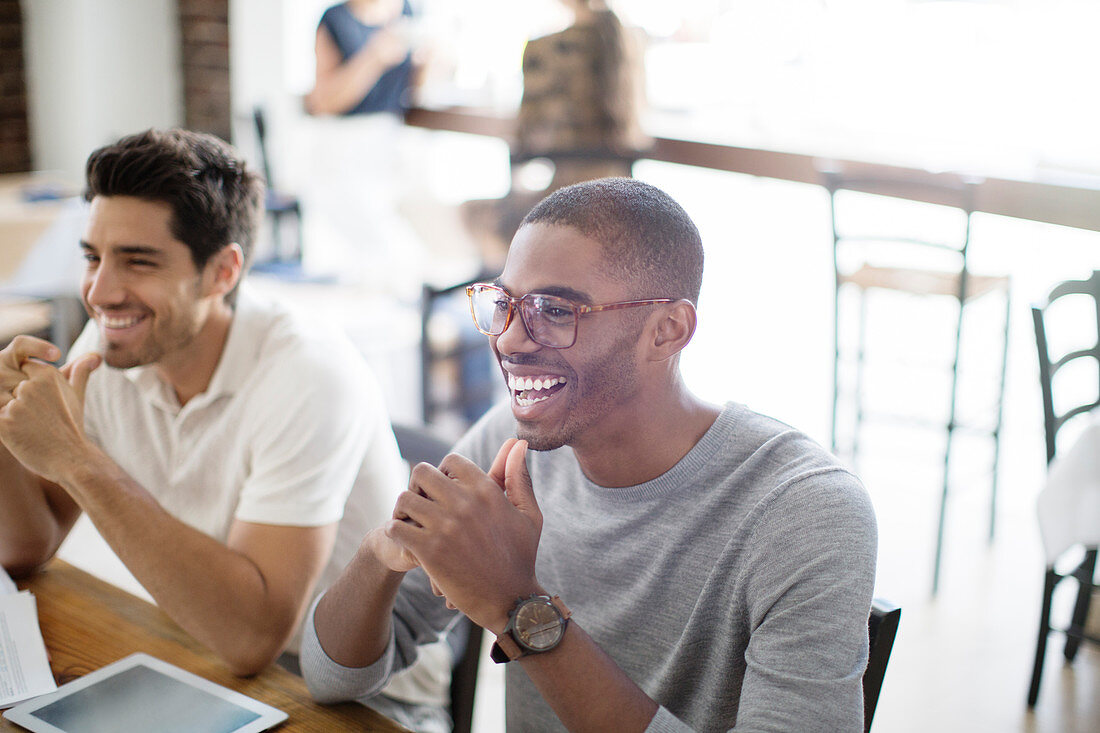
x=118, y=322
x=521, y=384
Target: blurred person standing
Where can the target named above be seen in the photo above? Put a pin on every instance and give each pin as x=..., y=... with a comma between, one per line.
x=582, y=99
x=364, y=59
x=364, y=80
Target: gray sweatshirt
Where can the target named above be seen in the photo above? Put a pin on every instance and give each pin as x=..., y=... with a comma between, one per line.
x=734, y=589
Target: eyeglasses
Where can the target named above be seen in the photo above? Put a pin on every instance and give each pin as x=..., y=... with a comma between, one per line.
x=550, y=321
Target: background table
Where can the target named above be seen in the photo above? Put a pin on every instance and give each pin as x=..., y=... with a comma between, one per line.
x=88, y=623
x=41, y=223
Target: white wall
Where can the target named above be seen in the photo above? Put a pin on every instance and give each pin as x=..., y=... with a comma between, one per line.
x=257, y=70
x=98, y=70
x=256, y=49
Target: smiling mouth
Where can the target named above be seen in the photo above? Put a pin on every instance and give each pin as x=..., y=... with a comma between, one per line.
x=119, y=323
x=528, y=391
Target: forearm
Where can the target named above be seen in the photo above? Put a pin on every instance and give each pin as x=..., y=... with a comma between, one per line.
x=214, y=593
x=353, y=619
x=31, y=526
x=585, y=688
x=341, y=89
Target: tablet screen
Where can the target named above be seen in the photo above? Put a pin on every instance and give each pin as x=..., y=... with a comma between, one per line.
x=141, y=698
x=142, y=693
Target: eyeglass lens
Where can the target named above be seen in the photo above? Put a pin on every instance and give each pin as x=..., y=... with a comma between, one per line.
x=549, y=320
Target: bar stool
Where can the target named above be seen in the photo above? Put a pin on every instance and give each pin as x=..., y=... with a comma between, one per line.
x=919, y=266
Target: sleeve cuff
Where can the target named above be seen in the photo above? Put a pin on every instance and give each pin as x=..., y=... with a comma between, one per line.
x=329, y=681
x=666, y=722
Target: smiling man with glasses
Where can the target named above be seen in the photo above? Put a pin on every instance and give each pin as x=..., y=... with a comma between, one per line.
x=647, y=560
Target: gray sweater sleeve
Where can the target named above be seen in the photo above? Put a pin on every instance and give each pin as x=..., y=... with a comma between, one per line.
x=419, y=618
x=330, y=682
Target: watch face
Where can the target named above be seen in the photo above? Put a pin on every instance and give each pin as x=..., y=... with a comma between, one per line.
x=538, y=625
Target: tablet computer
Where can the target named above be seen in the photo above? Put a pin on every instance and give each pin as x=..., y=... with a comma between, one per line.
x=143, y=693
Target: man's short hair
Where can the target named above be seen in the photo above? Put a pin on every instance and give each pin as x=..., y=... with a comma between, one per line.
x=215, y=197
x=648, y=238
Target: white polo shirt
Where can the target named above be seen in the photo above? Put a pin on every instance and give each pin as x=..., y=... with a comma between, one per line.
x=292, y=430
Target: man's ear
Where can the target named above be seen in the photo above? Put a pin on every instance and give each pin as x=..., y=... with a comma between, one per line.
x=224, y=268
x=673, y=329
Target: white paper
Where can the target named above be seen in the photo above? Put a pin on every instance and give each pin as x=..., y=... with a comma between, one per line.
x=6, y=583
x=24, y=668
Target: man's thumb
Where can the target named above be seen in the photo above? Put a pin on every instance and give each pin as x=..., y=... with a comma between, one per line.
x=517, y=481
x=81, y=369
x=496, y=472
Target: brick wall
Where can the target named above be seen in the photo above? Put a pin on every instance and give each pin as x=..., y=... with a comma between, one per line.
x=204, y=33
x=15, y=150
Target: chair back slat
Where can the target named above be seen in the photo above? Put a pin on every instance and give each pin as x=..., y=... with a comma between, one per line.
x=1050, y=366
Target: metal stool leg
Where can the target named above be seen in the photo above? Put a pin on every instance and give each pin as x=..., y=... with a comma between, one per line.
x=1000, y=419
x=947, y=447
x=858, y=388
x=836, y=364
x=836, y=320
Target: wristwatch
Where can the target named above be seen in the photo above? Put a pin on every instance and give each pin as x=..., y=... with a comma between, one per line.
x=536, y=624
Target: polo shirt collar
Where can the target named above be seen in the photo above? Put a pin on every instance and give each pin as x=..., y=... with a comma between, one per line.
x=237, y=358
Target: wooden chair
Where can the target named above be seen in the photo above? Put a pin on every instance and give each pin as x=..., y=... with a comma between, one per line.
x=279, y=205
x=1056, y=413
x=882, y=627
x=457, y=377
x=417, y=445
x=868, y=260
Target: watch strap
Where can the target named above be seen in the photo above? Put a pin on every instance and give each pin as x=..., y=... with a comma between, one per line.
x=505, y=649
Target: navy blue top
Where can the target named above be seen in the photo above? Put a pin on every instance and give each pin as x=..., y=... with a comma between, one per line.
x=388, y=93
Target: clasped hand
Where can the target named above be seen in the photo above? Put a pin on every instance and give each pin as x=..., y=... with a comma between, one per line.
x=476, y=534
x=41, y=406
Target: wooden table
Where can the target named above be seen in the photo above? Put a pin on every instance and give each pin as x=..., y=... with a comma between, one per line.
x=88, y=623
x=40, y=265
x=22, y=222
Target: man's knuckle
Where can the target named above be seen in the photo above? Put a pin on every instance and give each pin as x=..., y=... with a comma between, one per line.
x=419, y=473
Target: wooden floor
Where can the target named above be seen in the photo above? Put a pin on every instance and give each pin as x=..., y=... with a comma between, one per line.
x=962, y=660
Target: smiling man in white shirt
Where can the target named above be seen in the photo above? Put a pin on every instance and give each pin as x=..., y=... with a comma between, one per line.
x=229, y=452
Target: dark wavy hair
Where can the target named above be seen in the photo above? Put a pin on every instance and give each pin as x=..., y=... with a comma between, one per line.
x=216, y=199
x=648, y=239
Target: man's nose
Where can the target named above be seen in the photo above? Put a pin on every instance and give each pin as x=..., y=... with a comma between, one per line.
x=104, y=287
x=516, y=338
